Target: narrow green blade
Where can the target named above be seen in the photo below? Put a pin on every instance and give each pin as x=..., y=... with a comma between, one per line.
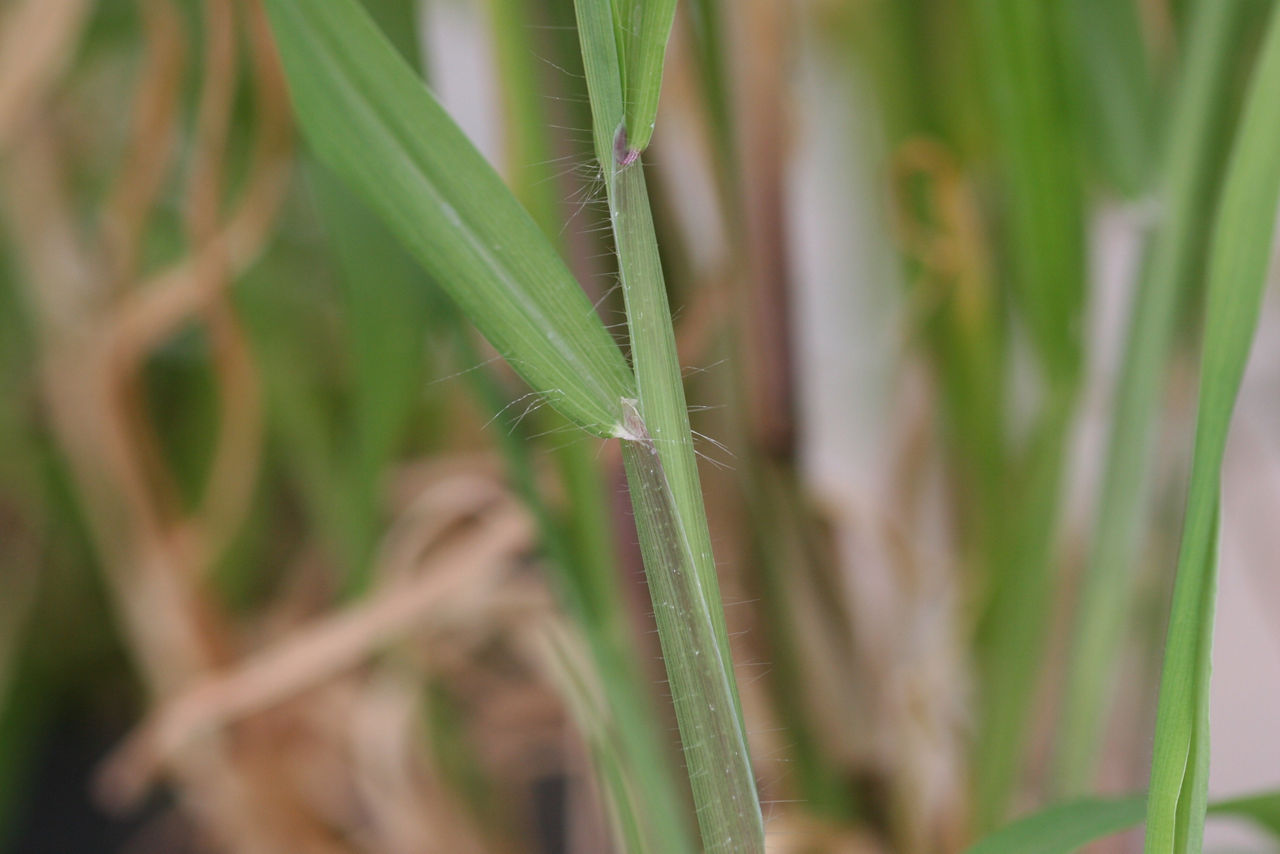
x=1043, y=203
x=1195, y=150
x=1067, y=827
x=1041, y=207
x=1238, y=261
x=1064, y=828
x=375, y=124
x=1114, y=88
x=385, y=307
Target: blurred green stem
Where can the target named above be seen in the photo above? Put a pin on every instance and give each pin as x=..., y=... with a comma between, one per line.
x=1043, y=217
x=1192, y=164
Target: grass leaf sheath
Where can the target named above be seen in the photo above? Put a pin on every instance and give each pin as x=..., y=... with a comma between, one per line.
x=691, y=625
x=701, y=686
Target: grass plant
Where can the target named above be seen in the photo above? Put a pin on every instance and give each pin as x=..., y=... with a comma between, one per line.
x=339, y=425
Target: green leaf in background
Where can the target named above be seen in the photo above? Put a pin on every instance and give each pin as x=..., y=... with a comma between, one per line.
x=528, y=143
x=1193, y=157
x=372, y=121
x=1067, y=827
x=707, y=30
x=1043, y=203
x=1238, y=262
x=1064, y=828
x=385, y=304
x=1113, y=84
x=1041, y=209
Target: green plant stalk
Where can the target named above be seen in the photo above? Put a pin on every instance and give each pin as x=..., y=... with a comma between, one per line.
x=386, y=316
x=708, y=36
x=629, y=828
x=372, y=121
x=1113, y=85
x=702, y=689
x=663, y=477
x=775, y=507
x=1044, y=218
x=1190, y=171
x=1238, y=261
x=298, y=423
x=1011, y=636
x=682, y=580
x=685, y=592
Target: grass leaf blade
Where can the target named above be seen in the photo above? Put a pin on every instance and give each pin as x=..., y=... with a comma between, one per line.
x=1113, y=84
x=1190, y=172
x=1043, y=210
x=646, y=55
x=1067, y=827
x=374, y=123
x=1239, y=257
x=1064, y=828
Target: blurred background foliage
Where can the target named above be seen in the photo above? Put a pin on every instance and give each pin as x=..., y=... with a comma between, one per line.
x=291, y=561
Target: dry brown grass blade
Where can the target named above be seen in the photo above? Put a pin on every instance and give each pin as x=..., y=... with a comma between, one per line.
x=153, y=143
x=207, y=179
x=163, y=620
x=412, y=812
x=195, y=289
x=171, y=628
x=455, y=588
x=37, y=38
x=947, y=241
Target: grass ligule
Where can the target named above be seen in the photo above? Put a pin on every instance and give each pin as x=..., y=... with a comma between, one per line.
x=374, y=123
x=1238, y=262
